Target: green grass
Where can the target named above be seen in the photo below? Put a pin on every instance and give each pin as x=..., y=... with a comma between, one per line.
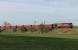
x=38, y=34
x=37, y=41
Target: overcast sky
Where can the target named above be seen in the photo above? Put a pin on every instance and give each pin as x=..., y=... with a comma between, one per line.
x=28, y=11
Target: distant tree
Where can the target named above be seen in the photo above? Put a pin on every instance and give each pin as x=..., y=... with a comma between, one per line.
x=75, y=26
x=6, y=23
x=42, y=28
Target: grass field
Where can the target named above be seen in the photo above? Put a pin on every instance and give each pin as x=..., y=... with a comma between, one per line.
x=36, y=41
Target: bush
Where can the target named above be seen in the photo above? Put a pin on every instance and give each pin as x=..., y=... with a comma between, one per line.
x=23, y=29
x=14, y=30
x=32, y=28
x=0, y=30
